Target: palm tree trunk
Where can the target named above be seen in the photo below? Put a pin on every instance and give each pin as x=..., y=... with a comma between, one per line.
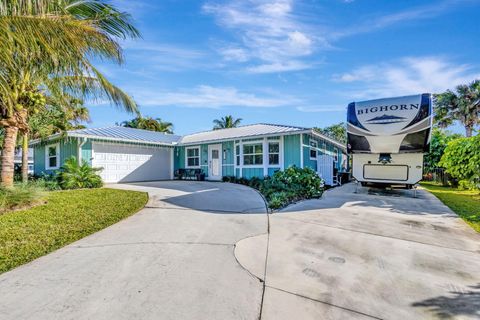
x=468, y=131
x=25, y=158
x=8, y=156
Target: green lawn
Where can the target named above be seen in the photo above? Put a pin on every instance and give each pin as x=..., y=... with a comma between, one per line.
x=465, y=203
x=66, y=217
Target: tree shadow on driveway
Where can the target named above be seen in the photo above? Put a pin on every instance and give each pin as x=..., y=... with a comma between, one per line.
x=464, y=303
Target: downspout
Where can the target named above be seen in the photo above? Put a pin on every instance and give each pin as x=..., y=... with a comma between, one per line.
x=82, y=143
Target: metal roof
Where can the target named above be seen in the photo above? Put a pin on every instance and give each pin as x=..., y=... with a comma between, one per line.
x=126, y=134
x=123, y=134
x=260, y=129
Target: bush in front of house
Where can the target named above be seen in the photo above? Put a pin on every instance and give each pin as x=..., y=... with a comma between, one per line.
x=285, y=187
x=73, y=175
x=20, y=196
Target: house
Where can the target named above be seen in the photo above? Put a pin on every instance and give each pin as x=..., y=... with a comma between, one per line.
x=17, y=160
x=128, y=155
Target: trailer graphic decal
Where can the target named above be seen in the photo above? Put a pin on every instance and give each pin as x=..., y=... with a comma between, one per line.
x=386, y=119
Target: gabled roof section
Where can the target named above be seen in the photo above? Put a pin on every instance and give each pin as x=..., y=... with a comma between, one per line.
x=123, y=134
x=248, y=131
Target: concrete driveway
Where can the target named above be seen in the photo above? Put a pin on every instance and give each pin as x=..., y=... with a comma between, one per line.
x=202, y=250
x=173, y=260
x=367, y=255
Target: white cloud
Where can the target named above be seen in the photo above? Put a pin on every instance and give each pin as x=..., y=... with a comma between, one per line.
x=386, y=20
x=291, y=65
x=270, y=36
x=409, y=75
x=211, y=97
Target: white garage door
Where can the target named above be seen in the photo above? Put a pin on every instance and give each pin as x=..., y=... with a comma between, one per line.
x=126, y=163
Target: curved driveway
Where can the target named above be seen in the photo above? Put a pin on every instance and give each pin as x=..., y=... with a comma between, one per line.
x=172, y=260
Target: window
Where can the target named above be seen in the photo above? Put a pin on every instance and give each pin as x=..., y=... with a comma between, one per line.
x=52, y=155
x=313, y=149
x=193, y=157
x=252, y=154
x=273, y=153
x=335, y=154
x=237, y=154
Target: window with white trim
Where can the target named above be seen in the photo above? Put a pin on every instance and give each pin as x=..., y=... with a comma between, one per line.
x=52, y=156
x=237, y=154
x=252, y=154
x=335, y=154
x=273, y=153
x=192, y=156
x=313, y=149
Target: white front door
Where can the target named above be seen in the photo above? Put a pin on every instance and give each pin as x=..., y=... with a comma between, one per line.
x=214, y=162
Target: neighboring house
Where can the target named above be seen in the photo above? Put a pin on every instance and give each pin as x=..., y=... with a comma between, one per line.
x=18, y=160
x=128, y=155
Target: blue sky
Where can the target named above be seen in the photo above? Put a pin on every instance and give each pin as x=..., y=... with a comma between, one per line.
x=297, y=62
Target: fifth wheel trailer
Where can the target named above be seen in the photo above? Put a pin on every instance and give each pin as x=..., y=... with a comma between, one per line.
x=388, y=137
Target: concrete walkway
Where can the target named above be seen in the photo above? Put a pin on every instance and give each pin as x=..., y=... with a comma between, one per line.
x=367, y=255
x=173, y=260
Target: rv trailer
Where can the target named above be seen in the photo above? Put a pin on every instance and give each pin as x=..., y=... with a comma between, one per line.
x=388, y=137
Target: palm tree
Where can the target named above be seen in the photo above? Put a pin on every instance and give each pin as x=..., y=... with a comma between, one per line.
x=226, y=122
x=46, y=48
x=149, y=123
x=464, y=106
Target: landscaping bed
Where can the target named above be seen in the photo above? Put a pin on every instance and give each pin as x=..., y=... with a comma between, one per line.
x=285, y=187
x=66, y=217
x=465, y=203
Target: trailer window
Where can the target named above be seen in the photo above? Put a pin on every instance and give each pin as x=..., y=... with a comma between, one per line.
x=335, y=155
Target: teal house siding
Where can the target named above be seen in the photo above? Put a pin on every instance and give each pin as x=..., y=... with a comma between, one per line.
x=291, y=150
x=252, y=172
x=228, y=158
x=68, y=148
x=307, y=162
x=271, y=171
x=87, y=152
x=204, y=158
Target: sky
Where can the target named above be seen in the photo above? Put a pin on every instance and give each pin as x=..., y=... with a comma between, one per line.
x=293, y=62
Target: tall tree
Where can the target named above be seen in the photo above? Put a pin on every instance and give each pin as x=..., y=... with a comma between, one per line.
x=149, y=123
x=462, y=105
x=55, y=61
x=335, y=131
x=226, y=122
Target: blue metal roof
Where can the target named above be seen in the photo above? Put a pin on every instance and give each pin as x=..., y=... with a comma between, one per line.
x=126, y=134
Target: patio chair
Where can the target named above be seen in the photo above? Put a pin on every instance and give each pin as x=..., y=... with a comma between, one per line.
x=179, y=174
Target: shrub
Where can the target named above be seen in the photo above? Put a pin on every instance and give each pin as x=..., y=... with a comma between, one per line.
x=47, y=182
x=73, y=175
x=21, y=195
x=461, y=160
x=288, y=186
x=278, y=200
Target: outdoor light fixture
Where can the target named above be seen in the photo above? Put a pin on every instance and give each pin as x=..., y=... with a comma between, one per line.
x=224, y=154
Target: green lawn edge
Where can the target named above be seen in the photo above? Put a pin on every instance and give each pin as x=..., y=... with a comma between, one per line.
x=465, y=203
x=66, y=217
